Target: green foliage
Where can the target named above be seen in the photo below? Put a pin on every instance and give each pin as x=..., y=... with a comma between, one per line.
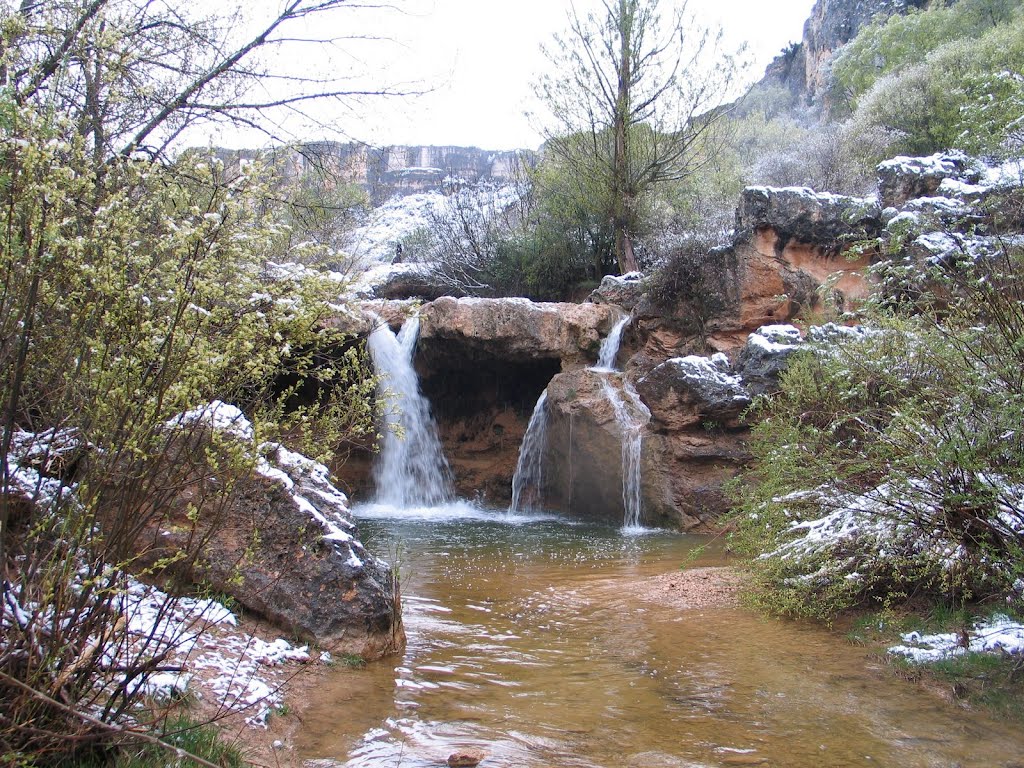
x=894, y=44
x=948, y=78
x=891, y=464
x=178, y=733
x=631, y=107
x=133, y=292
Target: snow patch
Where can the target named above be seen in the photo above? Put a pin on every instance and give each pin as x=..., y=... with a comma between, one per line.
x=999, y=634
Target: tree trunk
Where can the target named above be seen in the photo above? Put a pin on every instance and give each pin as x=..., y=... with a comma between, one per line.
x=621, y=215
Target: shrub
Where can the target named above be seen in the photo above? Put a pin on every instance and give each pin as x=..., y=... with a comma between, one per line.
x=892, y=462
x=134, y=291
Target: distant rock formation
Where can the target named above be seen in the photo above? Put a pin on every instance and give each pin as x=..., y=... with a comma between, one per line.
x=387, y=171
x=802, y=69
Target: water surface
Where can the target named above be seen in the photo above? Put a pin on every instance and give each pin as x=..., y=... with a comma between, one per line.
x=524, y=643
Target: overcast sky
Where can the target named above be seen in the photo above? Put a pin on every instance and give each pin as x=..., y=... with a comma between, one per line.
x=479, y=58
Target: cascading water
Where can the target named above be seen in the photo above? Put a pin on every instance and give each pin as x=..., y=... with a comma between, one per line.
x=610, y=346
x=631, y=419
x=411, y=470
x=526, y=482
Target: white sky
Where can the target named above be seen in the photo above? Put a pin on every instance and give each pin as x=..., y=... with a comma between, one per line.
x=479, y=58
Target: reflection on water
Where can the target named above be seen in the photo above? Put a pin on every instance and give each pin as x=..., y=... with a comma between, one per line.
x=522, y=644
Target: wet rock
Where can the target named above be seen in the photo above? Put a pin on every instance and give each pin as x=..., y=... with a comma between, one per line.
x=583, y=460
x=517, y=329
x=684, y=392
x=765, y=356
x=465, y=758
x=280, y=541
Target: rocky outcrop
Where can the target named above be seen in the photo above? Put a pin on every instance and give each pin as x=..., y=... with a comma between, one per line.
x=387, y=171
x=765, y=356
x=280, y=541
x=686, y=456
x=903, y=179
x=624, y=291
x=788, y=243
x=583, y=473
x=801, y=215
x=694, y=391
x=802, y=69
x=517, y=329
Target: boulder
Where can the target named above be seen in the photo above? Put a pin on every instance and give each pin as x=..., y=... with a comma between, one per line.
x=408, y=281
x=624, y=291
x=584, y=456
x=686, y=392
x=279, y=539
x=799, y=213
x=765, y=356
x=517, y=329
x=906, y=178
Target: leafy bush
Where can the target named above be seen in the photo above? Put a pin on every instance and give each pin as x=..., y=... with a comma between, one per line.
x=896, y=43
x=892, y=462
x=950, y=79
x=133, y=291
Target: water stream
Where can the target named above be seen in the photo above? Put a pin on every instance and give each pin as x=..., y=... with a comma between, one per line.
x=527, y=640
x=527, y=482
x=535, y=640
x=411, y=469
x=631, y=418
x=610, y=344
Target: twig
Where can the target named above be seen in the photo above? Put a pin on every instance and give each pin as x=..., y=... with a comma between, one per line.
x=112, y=727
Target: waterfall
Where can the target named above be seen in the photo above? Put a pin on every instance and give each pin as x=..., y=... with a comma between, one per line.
x=631, y=419
x=530, y=467
x=610, y=346
x=411, y=470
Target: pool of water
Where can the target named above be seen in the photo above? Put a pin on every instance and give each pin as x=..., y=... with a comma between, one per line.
x=524, y=644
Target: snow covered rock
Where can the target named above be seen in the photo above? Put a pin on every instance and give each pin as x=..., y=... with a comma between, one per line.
x=765, y=356
x=906, y=178
x=407, y=281
x=624, y=291
x=280, y=541
x=688, y=391
x=807, y=216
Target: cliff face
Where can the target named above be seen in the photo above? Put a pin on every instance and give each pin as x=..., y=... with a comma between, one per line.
x=387, y=171
x=802, y=69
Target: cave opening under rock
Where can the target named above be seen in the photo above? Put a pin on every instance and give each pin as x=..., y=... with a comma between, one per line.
x=482, y=405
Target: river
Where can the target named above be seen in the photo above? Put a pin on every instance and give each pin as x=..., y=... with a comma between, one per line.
x=525, y=644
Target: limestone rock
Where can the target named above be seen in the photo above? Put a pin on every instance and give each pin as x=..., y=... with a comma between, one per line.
x=801, y=214
x=685, y=392
x=394, y=170
x=408, y=281
x=803, y=69
x=466, y=758
x=906, y=178
x=516, y=329
x=683, y=471
x=625, y=291
x=766, y=355
x=583, y=461
x=281, y=542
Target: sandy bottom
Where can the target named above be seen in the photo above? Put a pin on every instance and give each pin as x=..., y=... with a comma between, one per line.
x=273, y=746
x=691, y=589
